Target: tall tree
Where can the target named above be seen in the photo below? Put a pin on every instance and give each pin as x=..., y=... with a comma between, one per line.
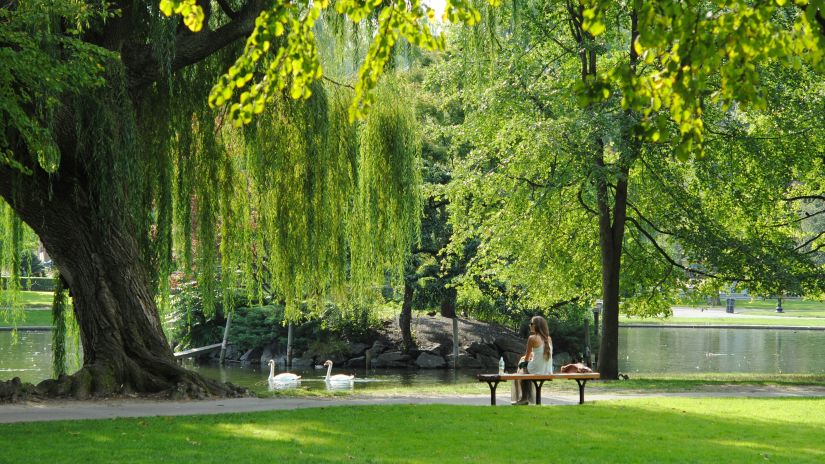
x=564, y=163
x=113, y=157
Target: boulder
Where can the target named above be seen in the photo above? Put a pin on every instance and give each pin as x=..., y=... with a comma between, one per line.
x=267, y=353
x=482, y=349
x=378, y=348
x=488, y=361
x=430, y=361
x=357, y=349
x=511, y=344
x=511, y=359
x=360, y=361
x=302, y=363
x=433, y=347
x=467, y=361
x=561, y=358
x=253, y=354
x=391, y=359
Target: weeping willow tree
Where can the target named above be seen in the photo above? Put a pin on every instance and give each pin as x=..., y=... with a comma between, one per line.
x=113, y=157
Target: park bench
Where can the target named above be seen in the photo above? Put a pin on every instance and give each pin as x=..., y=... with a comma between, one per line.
x=538, y=380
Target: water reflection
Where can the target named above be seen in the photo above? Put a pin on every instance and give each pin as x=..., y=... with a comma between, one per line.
x=287, y=385
x=683, y=350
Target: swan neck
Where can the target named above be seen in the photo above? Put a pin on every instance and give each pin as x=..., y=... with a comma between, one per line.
x=272, y=369
x=329, y=371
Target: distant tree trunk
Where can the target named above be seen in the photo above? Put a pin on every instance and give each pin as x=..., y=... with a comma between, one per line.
x=405, y=318
x=124, y=348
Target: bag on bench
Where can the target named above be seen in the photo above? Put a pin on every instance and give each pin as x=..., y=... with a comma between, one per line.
x=577, y=368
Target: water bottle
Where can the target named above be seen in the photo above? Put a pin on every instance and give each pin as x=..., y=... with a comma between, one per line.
x=501, y=365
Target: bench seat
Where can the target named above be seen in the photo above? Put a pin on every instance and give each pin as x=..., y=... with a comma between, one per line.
x=538, y=381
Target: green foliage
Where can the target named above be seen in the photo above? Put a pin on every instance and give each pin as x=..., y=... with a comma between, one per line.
x=387, y=214
x=699, y=52
x=295, y=64
x=530, y=158
x=39, y=66
x=256, y=326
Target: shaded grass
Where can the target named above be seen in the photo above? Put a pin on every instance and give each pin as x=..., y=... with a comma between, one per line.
x=650, y=430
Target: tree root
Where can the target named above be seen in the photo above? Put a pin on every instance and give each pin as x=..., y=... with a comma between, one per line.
x=94, y=382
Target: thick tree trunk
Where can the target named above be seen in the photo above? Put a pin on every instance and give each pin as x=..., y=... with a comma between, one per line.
x=124, y=348
x=611, y=237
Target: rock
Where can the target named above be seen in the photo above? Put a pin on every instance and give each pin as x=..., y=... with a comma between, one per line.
x=253, y=354
x=430, y=361
x=267, y=353
x=488, y=361
x=360, y=361
x=391, y=359
x=511, y=359
x=357, y=349
x=511, y=344
x=302, y=363
x=561, y=358
x=434, y=348
x=378, y=348
x=482, y=349
x=467, y=361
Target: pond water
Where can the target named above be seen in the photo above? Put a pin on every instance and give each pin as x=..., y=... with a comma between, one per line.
x=641, y=350
x=684, y=350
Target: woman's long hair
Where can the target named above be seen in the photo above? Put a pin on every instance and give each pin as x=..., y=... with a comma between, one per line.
x=540, y=324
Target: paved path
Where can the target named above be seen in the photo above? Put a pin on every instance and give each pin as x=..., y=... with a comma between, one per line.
x=80, y=410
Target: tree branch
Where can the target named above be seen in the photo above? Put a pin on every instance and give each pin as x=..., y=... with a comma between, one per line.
x=806, y=197
x=143, y=67
x=799, y=219
x=227, y=9
x=808, y=242
x=339, y=84
x=664, y=254
x=584, y=205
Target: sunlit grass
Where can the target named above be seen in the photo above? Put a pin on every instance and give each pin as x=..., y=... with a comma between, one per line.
x=791, y=308
x=650, y=430
x=30, y=318
x=774, y=322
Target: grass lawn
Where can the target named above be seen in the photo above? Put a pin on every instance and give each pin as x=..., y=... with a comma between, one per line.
x=650, y=430
x=30, y=318
x=792, y=308
x=30, y=299
x=777, y=322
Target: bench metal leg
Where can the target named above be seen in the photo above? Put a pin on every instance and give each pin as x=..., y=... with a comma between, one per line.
x=581, y=383
x=538, y=384
x=493, y=385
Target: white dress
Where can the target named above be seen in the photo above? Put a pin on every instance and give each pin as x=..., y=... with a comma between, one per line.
x=539, y=365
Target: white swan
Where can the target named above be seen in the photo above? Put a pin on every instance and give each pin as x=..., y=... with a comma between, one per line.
x=337, y=377
x=282, y=377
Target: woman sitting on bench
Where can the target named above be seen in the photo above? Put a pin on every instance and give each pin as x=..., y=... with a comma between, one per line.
x=538, y=359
